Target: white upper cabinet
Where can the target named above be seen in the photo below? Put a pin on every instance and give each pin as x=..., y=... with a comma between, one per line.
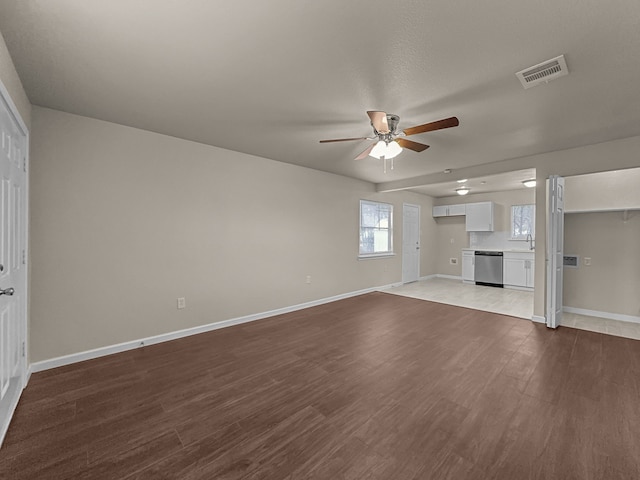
x=457, y=210
x=479, y=217
x=448, y=210
x=441, y=211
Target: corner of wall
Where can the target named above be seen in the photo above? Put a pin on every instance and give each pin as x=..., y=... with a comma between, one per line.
x=10, y=81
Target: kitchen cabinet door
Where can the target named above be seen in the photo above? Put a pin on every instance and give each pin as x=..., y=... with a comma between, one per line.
x=479, y=217
x=529, y=265
x=457, y=210
x=441, y=211
x=514, y=272
x=468, y=266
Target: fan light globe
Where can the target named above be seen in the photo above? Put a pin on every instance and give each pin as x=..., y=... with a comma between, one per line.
x=379, y=150
x=462, y=191
x=393, y=150
x=387, y=151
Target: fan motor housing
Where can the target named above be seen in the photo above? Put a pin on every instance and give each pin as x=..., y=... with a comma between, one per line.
x=392, y=121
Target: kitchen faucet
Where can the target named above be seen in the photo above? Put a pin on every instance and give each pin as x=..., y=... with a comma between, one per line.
x=530, y=240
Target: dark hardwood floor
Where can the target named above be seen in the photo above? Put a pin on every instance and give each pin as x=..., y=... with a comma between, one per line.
x=373, y=387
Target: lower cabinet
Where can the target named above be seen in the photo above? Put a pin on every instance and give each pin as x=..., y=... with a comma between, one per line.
x=518, y=269
x=468, y=265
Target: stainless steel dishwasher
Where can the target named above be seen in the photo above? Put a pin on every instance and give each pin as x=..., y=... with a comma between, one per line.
x=488, y=268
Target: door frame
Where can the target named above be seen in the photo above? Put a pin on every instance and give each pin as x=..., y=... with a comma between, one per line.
x=404, y=205
x=554, y=250
x=25, y=367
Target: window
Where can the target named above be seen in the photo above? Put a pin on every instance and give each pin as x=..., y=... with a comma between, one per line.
x=376, y=229
x=523, y=221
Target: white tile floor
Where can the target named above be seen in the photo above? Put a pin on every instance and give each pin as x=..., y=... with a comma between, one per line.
x=602, y=325
x=516, y=303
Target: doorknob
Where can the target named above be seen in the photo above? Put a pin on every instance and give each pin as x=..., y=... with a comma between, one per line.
x=7, y=291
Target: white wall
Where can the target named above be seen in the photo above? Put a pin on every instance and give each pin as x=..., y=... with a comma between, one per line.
x=603, y=223
x=612, y=282
x=615, y=190
x=11, y=81
x=124, y=221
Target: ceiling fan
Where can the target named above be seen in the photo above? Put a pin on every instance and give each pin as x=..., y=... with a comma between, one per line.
x=390, y=141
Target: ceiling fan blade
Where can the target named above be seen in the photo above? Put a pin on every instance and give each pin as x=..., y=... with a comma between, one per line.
x=429, y=127
x=411, y=145
x=366, y=153
x=379, y=121
x=343, y=140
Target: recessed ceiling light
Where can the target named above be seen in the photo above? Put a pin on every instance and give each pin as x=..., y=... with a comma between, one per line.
x=483, y=183
x=463, y=180
x=529, y=183
x=462, y=190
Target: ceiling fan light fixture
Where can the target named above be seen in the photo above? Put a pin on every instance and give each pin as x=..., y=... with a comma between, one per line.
x=462, y=181
x=379, y=150
x=462, y=190
x=529, y=183
x=382, y=149
x=385, y=128
x=393, y=150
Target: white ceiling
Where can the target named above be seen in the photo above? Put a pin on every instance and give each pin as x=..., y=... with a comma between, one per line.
x=272, y=78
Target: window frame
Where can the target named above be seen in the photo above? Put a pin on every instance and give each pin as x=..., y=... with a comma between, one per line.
x=389, y=231
x=533, y=222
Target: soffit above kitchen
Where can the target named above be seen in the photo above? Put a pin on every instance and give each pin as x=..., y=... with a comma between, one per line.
x=273, y=78
x=486, y=184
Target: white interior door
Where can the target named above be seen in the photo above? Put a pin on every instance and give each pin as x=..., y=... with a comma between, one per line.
x=410, y=243
x=555, y=247
x=13, y=278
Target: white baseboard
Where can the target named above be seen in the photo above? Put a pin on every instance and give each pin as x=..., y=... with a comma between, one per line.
x=450, y=277
x=428, y=277
x=595, y=313
x=27, y=377
x=399, y=284
x=165, y=337
x=522, y=289
x=538, y=319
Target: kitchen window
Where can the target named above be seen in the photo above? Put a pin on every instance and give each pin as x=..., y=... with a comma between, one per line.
x=523, y=221
x=376, y=229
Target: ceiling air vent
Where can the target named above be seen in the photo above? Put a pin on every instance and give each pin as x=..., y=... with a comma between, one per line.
x=543, y=72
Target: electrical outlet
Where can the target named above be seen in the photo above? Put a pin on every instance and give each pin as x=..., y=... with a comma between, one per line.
x=308, y=280
x=587, y=261
x=181, y=303
x=452, y=241
x=453, y=261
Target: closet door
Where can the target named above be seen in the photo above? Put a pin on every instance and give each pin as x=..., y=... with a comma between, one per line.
x=13, y=294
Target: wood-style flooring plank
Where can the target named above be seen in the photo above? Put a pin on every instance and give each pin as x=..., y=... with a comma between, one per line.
x=372, y=387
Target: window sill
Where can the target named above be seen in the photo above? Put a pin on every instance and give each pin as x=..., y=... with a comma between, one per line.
x=376, y=255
